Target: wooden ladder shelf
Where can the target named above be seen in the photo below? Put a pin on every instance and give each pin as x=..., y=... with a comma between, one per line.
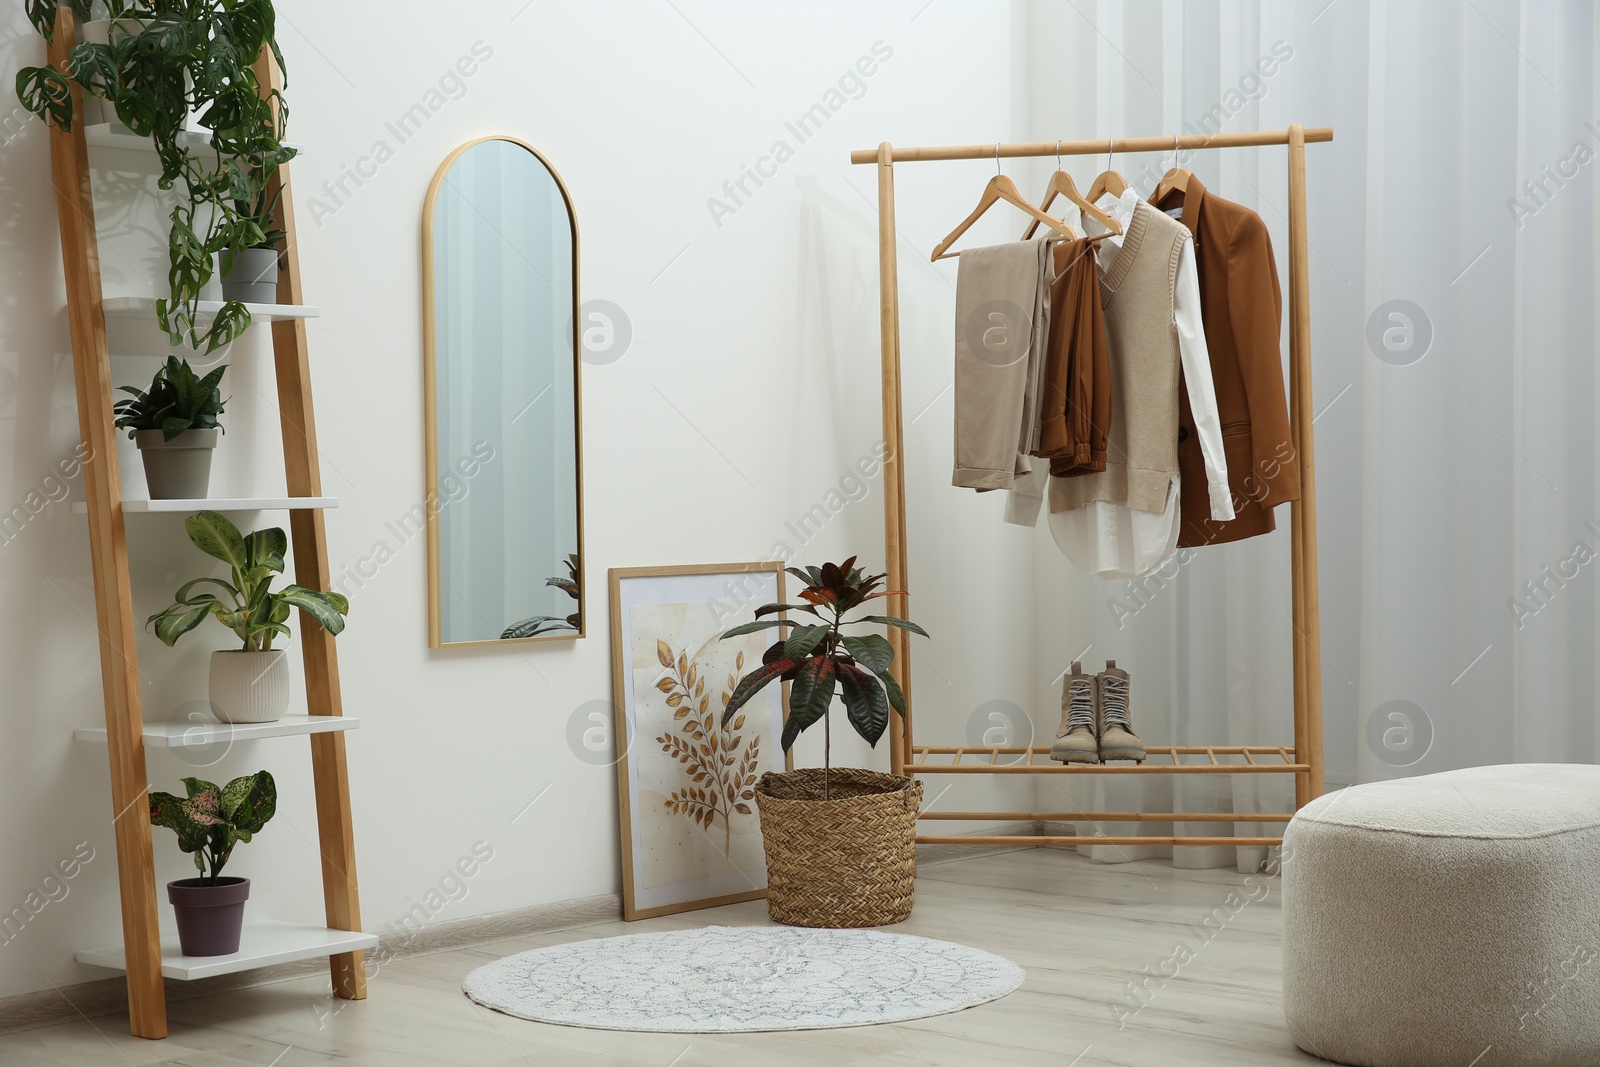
x=141, y=951
x=1303, y=759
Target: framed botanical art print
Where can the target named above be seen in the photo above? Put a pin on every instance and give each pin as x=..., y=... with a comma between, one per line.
x=691, y=837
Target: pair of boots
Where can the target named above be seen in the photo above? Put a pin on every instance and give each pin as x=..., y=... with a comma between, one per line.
x=1094, y=718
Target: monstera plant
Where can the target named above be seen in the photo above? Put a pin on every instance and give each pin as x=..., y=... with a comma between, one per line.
x=820, y=658
x=161, y=62
x=209, y=822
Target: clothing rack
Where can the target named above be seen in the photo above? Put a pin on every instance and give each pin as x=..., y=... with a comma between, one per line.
x=1304, y=758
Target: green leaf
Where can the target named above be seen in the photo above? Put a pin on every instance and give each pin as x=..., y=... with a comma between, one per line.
x=864, y=702
x=752, y=683
x=535, y=626
x=897, y=696
x=872, y=651
x=772, y=609
x=323, y=607
x=889, y=620
x=249, y=801
x=812, y=692
x=182, y=595
x=173, y=813
x=266, y=548
x=179, y=619
x=752, y=627
x=802, y=640
x=215, y=535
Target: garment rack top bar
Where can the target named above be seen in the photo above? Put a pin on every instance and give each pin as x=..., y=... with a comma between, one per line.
x=1089, y=148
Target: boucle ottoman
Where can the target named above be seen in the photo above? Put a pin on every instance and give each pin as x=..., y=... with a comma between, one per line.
x=1448, y=920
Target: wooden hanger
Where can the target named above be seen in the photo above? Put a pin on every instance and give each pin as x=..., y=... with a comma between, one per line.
x=999, y=188
x=1108, y=180
x=1061, y=183
x=1175, y=179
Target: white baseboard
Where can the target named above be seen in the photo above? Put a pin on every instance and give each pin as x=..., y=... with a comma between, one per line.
x=109, y=996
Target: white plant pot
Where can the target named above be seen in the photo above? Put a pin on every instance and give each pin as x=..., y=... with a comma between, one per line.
x=249, y=686
x=99, y=31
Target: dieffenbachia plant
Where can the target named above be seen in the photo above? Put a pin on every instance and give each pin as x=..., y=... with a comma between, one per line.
x=250, y=608
x=166, y=60
x=212, y=819
x=819, y=658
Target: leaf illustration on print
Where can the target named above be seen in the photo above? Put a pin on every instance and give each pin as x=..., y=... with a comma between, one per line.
x=717, y=760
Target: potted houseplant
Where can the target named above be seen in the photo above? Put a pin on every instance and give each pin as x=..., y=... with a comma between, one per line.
x=175, y=425
x=249, y=684
x=209, y=821
x=250, y=264
x=538, y=625
x=158, y=64
x=840, y=844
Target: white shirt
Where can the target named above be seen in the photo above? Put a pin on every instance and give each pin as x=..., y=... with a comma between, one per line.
x=1109, y=540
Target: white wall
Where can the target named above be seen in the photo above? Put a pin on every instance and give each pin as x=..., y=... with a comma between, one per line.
x=750, y=389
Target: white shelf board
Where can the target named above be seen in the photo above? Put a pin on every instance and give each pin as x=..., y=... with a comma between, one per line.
x=263, y=944
x=116, y=135
x=199, y=733
x=146, y=305
x=222, y=503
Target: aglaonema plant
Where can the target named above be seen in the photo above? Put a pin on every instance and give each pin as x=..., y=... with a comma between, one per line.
x=249, y=607
x=212, y=819
x=820, y=659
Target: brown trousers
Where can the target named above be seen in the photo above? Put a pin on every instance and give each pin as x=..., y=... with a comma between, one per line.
x=1076, y=408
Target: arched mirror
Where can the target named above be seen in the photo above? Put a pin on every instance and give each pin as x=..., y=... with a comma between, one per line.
x=500, y=295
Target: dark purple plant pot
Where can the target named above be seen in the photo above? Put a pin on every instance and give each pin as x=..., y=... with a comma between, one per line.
x=209, y=916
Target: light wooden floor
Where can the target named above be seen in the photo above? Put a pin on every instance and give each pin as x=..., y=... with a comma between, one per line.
x=1081, y=930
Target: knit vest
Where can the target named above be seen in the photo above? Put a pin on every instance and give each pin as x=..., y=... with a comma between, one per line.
x=1136, y=293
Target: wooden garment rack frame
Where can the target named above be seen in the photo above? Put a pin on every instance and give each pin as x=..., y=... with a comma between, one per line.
x=69, y=157
x=1304, y=758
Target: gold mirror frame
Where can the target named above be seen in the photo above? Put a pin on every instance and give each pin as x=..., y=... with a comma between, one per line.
x=430, y=402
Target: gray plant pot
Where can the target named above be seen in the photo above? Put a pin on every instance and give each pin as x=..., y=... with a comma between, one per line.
x=254, y=277
x=179, y=469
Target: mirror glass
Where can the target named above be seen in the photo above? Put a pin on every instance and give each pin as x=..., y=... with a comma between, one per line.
x=500, y=261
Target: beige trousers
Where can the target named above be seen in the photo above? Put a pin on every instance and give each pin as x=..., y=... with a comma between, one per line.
x=1002, y=312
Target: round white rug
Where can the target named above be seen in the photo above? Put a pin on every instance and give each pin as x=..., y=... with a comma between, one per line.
x=722, y=979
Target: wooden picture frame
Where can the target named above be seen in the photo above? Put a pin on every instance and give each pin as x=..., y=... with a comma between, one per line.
x=665, y=623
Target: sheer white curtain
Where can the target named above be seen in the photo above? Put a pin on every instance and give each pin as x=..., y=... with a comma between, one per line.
x=1453, y=282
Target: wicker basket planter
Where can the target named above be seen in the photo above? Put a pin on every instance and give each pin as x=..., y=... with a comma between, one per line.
x=850, y=860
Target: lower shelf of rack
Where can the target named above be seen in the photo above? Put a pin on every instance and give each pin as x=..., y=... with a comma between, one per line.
x=264, y=943
x=1023, y=759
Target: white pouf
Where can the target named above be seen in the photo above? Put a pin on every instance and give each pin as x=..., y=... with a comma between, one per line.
x=1447, y=920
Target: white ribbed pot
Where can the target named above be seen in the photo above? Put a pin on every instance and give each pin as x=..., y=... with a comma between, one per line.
x=249, y=686
x=98, y=31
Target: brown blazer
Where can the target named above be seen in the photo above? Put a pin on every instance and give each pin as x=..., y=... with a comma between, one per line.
x=1243, y=312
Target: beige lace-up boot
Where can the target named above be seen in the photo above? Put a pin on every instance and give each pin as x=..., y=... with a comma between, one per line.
x=1075, y=740
x=1117, y=739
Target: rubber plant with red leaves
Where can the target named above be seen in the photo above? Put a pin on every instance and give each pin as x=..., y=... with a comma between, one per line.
x=819, y=658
